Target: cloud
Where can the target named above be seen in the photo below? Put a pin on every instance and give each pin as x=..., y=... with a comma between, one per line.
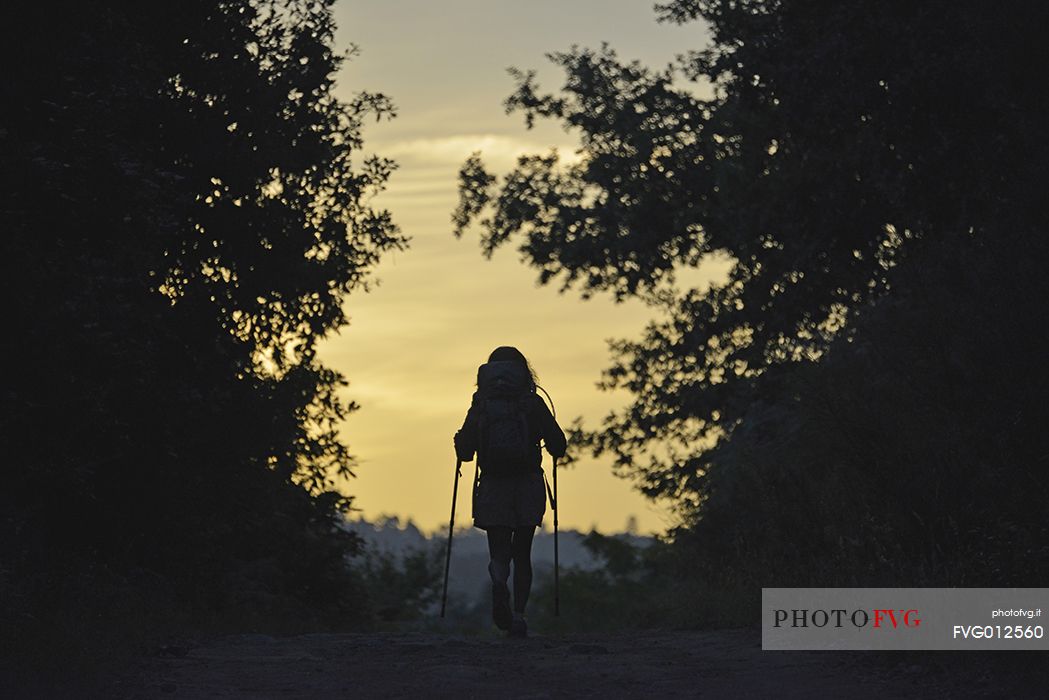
x=500, y=152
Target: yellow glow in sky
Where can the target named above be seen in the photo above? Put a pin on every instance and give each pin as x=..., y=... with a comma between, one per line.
x=413, y=345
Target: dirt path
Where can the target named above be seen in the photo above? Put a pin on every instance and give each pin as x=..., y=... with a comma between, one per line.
x=726, y=663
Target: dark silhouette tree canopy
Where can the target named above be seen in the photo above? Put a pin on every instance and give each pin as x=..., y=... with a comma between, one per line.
x=873, y=172
x=185, y=208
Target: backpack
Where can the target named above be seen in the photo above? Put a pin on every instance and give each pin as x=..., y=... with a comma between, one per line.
x=503, y=391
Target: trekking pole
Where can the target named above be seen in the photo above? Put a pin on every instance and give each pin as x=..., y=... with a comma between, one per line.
x=451, y=527
x=553, y=503
x=557, y=583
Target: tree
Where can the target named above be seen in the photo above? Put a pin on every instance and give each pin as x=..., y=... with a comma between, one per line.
x=186, y=211
x=858, y=163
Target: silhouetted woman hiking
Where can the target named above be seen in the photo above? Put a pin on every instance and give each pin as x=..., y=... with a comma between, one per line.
x=504, y=427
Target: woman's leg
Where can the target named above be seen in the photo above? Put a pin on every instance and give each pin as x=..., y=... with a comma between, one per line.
x=500, y=552
x=521, y=549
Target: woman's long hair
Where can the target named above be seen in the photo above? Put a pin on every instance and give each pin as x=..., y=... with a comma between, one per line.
x=507, y=353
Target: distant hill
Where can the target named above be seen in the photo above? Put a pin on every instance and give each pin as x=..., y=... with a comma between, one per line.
x=469, y=567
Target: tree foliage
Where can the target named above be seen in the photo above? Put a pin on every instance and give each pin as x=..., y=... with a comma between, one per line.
x=873, y=173
x=185, y=208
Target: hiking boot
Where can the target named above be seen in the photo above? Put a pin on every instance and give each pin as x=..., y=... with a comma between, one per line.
x=519, y=628
x=501, y=614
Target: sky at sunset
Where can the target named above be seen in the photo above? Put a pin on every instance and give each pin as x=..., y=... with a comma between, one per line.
x=413, y=345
